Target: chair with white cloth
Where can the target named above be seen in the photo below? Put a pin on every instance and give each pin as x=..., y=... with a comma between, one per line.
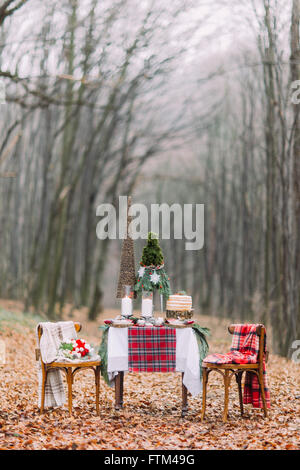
x=51, y=391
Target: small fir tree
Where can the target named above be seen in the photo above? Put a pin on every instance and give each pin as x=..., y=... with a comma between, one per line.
x=152, y=274
x=152, y=254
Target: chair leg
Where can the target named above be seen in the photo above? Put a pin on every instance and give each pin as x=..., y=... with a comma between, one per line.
x=204, y=388
x=69, y=381
x=97, y=381
x=44, y=380
x=239, y=382
x=262, y=388
x=226, y=397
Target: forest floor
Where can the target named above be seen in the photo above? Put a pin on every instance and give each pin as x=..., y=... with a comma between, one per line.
x=152, y=402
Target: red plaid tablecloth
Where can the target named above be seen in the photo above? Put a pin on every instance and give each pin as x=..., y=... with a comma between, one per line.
x=151, y=349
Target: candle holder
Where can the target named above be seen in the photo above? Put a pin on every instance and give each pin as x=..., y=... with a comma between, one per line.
x=161, y=298
x=127, y=303
x=147, y=304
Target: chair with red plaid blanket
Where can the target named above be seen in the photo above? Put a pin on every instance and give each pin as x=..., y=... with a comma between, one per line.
x=247, y=354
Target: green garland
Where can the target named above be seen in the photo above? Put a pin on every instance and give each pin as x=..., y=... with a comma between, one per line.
x=103, y=353
x=144, y=282
x=203, y=347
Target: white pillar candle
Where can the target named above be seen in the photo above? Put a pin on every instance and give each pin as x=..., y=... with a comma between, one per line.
x=126, y=307
x=147, y=308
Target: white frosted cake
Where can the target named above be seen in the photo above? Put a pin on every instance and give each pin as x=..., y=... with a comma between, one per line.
x=179, y=303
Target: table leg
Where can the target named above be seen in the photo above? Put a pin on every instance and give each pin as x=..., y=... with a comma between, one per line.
x=121, y=387
x=119, y=381
x=118, y=391
x=184, y=399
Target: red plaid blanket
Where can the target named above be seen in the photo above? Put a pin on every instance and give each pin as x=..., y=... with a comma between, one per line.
x=244, y=350
x=151, y=349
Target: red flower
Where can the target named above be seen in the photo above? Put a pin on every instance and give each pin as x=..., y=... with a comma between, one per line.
x=81, y=344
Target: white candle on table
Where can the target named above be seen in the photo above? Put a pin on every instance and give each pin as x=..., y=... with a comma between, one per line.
x=126, y=307
x=147, y=308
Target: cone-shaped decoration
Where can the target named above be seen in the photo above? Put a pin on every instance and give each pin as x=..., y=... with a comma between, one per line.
x=127, y=265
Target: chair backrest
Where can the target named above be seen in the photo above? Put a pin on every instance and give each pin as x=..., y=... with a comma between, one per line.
x=77, y=327
x=260, y=331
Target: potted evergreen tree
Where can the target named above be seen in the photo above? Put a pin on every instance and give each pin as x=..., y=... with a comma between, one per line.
x=151, y=274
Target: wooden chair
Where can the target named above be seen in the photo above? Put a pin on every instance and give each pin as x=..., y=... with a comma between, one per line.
x=228, y=370
x=67, y=368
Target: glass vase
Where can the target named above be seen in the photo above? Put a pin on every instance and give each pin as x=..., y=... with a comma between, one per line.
x=147, y=304
x=127, y=303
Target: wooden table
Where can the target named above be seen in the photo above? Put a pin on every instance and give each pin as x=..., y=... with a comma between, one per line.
x=186, y=362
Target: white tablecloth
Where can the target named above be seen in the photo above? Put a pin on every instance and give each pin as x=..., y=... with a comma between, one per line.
x=187, y=356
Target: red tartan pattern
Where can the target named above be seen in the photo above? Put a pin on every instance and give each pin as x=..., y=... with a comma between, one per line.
x=151, y=349
x=244, y=350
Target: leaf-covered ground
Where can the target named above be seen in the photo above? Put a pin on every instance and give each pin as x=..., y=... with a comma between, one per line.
x=151, y=415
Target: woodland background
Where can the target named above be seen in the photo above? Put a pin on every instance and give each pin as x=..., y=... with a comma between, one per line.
x=170, y=101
